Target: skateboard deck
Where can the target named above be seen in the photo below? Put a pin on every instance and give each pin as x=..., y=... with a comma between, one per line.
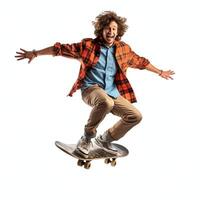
x=95, y=153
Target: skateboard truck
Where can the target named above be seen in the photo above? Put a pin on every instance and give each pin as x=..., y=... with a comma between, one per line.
x=86, y=164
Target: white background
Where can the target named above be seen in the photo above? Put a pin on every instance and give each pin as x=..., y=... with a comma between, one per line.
x=34, y=111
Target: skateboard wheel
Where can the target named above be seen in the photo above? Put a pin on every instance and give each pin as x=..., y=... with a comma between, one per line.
x=107, y=161
x=80, y=163
x=113, y=162
x=87, y=165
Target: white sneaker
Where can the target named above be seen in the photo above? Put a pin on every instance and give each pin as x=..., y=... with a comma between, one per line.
x=105, y=145
x=84, y=145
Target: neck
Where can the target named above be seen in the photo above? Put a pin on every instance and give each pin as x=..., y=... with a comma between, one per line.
x=108, y=45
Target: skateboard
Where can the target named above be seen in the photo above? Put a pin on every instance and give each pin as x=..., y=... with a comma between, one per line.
x=95, y=153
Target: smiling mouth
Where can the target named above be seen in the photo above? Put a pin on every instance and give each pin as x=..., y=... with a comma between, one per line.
x=110, y=37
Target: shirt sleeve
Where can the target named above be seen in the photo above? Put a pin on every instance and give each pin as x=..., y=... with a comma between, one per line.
x=68, y=50
x=137, y=61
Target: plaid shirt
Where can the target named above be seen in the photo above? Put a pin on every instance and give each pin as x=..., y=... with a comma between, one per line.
x=88, y=51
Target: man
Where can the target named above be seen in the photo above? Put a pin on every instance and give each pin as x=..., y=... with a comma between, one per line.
x=102, y=78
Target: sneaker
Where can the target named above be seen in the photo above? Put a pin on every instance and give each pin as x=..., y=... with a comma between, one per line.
x=84, y=145
x=105, y=145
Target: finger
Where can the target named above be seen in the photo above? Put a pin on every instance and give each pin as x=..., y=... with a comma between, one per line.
x=20, y=58
x=171, y=72
x=23, y=50
x=29, y=61
x=19, y=52
x=167, y=77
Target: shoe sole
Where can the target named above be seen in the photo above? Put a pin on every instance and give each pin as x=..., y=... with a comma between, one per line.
x=85, y=155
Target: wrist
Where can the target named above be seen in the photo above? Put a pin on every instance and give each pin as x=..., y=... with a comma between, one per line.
x=160, y=72
x=35, y=53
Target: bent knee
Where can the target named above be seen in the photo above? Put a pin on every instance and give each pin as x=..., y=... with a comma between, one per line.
x=134, y=118
x=107, y=104
x=138, y=117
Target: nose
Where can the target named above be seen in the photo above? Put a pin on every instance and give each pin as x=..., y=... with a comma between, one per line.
x=110, y=31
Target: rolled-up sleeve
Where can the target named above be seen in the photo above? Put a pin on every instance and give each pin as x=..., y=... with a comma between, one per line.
x=137, y=61
x=68, y=50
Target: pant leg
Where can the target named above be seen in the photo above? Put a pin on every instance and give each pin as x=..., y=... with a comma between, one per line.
x=130, y=116
x=102, y=104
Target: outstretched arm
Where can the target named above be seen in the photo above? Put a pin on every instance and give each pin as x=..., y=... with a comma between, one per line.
x=30, y=55
x=139, y=62
x=68, y=50
x=164, y=74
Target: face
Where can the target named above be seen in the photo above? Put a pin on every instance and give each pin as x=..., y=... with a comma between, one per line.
x=110, y=33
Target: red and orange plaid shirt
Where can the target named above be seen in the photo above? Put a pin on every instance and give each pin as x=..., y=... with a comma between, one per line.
x=88, y=51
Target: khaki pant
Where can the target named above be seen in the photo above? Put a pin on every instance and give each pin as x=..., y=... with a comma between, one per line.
x=103, y=104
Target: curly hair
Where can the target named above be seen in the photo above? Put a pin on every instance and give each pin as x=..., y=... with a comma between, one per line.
x=104, y=19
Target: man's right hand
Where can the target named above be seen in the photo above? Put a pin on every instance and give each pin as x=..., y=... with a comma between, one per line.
x=30, y=55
